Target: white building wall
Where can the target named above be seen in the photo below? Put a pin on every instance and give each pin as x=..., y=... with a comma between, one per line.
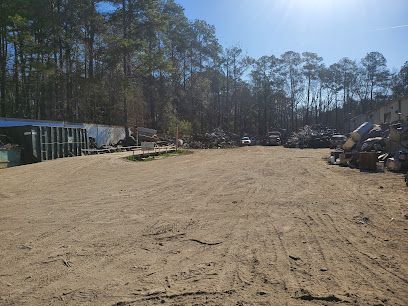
x=391, y=112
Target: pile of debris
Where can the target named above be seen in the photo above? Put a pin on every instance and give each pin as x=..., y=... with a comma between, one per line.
x=215, y=140
x=315, y=136
x=7, y=144
x=122, y=143
x=10, y=153
x=373, y=147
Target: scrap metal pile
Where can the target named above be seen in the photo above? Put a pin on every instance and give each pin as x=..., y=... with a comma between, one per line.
x=7, y=144
x=373, y=147
x=10, y=153
x=315, y=136
x=215, y=140
x=135, y=138
x=125, y=143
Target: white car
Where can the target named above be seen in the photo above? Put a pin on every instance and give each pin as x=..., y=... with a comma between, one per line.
x=245, y=141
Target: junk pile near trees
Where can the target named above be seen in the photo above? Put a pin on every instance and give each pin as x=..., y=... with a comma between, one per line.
x=372, y=147
x=145, y=135
x=218, y=139
x=104, y=137
x=315, y=136
x=273, y=138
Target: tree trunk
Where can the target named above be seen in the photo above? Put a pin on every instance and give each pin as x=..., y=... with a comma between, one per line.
x=308, y=102
x=3, y=65
x=335, y=97
x=125, y=71
x=16, y=108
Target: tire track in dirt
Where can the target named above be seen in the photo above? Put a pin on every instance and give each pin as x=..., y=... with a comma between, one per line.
x=347, y=241
x=366, y=271
x=290, y=279
x=331, y=245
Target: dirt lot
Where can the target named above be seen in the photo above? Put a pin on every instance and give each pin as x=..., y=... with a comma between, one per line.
x=247, y=226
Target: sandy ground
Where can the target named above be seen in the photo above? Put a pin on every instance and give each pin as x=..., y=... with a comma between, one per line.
x=247, y=226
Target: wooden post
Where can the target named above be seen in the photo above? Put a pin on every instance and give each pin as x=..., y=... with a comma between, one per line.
x=58, y=130
x=51, y=141
x=176, y=137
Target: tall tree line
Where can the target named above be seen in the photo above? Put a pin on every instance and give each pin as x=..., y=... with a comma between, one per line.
x=142, y=62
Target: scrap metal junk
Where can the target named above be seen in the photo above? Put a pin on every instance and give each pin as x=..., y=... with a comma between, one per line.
x=372, y=147
x=146, y=135
x=39, y=140
x=315, y=136
x=216, y=139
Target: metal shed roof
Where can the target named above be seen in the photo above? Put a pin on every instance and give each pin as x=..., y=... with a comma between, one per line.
x=13, y=122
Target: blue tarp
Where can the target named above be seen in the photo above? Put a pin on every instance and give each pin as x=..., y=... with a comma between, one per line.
x=11, y=122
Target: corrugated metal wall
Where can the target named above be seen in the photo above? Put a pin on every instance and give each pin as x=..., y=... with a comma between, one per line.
x=45, y=140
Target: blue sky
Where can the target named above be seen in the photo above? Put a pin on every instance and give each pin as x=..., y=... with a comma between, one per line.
x=331, y=28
